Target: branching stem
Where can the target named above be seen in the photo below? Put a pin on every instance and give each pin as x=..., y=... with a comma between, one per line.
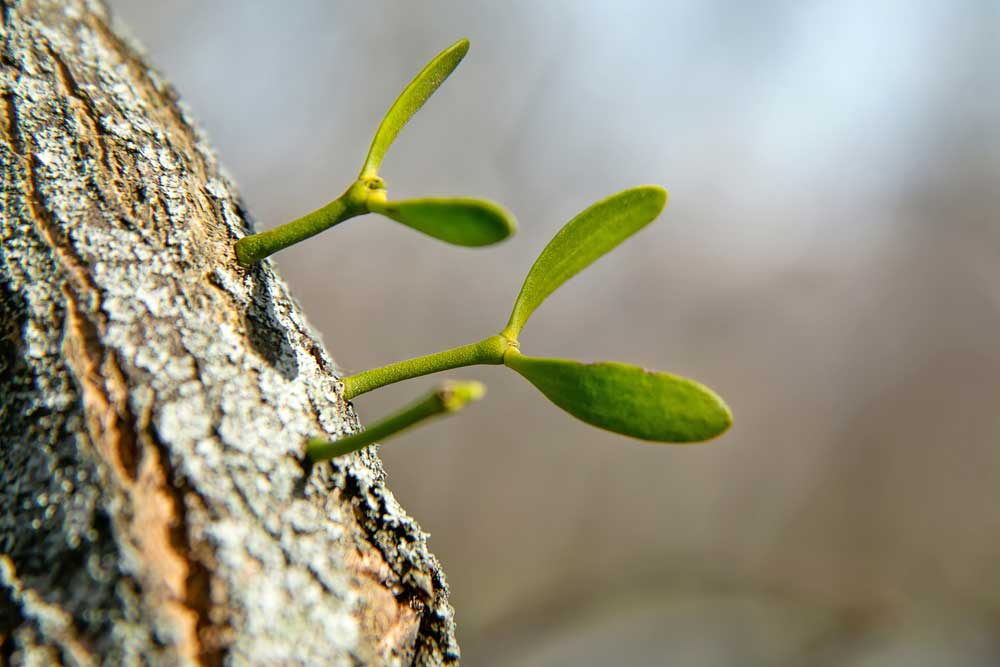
x=354, y=202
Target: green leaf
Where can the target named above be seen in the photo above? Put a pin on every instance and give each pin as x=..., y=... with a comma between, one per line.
x=627, y=399
x=584, y=239
x=459, y=220
x=410, y=101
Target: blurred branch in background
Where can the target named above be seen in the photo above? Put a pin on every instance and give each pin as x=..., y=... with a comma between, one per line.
x=829, y=261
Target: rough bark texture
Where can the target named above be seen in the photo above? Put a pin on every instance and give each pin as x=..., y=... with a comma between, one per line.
x=156, y=398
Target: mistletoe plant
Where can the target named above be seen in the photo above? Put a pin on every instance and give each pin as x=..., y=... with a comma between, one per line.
x=465, y=221
x=618, y=397
x=447, y=399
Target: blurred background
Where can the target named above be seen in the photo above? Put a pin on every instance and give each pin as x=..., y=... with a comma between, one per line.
x=829, y=262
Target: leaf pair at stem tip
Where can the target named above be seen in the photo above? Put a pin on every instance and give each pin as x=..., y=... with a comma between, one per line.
x=465, y=221
x=625, y=399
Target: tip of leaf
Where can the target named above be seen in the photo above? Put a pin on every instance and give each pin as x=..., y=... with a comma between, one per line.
x=650, y=199
x=718, y=416
x=662, y=194
x=461, y=46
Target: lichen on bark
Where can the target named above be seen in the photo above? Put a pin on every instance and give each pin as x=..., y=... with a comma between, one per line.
x=156, y=398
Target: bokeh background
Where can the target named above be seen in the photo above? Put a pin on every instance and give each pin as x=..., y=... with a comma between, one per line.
x=829, y=261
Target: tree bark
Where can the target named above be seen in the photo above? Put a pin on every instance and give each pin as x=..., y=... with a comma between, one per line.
x=155, y=399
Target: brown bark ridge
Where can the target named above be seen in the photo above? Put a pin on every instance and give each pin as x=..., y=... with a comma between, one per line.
x=156, y=398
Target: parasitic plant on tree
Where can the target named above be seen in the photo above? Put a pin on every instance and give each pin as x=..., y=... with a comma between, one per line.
x=625, y=399
x=465, y=221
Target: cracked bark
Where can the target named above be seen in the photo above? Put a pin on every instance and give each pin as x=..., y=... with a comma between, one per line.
x=156, y=398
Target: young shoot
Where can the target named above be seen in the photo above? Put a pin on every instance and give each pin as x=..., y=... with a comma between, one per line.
x=625, y=399
x=465, y=221
x=445, y=400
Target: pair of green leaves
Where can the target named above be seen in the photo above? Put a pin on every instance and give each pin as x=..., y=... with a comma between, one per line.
x=626, y=399
x=618, y=397
x=465, y=221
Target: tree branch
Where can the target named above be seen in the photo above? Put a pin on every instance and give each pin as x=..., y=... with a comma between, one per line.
x=157, y=398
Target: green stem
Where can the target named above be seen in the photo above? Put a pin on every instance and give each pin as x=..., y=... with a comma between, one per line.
x=486, y=351
x=252, y=249
x=449, y=398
